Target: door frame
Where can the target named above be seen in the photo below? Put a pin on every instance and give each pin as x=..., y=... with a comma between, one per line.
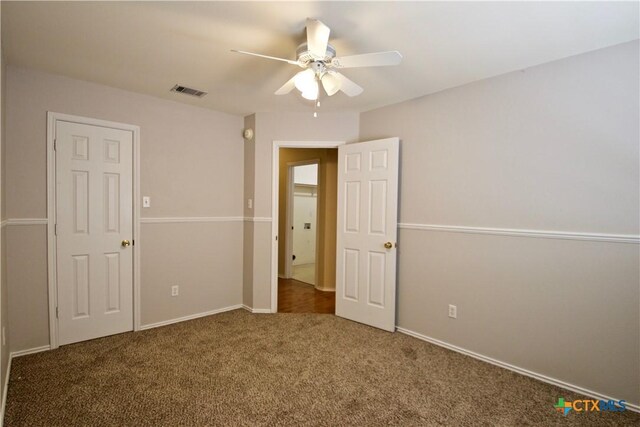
x=52, y=118
x=288, y=235
x=275, y=175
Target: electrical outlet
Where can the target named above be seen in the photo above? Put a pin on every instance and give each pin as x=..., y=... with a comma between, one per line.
x=250, y=203
x=175, y=290
x=453, y=311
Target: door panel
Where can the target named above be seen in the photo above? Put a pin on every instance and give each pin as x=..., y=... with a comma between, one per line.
x=367, y=219
x=94, y=214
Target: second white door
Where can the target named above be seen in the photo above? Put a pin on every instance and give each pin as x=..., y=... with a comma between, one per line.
x=367, y=231
x=94, y=231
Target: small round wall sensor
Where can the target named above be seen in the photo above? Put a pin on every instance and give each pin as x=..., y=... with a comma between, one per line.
x=248, y=134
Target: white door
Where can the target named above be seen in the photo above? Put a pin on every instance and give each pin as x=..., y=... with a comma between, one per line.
x=367, y=232
x=94, y=223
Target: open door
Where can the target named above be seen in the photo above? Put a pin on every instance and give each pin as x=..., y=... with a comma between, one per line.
x=367, y=232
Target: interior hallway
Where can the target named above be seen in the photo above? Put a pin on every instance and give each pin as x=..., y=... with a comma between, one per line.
x=304, y=273
x=298, y=297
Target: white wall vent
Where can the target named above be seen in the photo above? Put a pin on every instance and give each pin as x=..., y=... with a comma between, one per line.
x=188, y=91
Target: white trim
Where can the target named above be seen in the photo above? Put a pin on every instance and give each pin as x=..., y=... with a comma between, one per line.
x=288, y=230
x=517, y=369
x=52, y=118
x=20, y=353
x=137, y=234
x=544, y=234
x=199, y=219
x=288, y=234
x=169, y=220
x=257, y=219
x=275, y=172
x=190, y=317
x=51, y=244
x=515, y=232
x=25, y=221
x=256, y=310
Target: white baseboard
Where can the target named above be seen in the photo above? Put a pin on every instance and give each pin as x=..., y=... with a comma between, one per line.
x=4, y=392
x=189, y=317
x=517, y=369
x=257, y=310
x=326, y=289
x=29, y=351
x=13, y=355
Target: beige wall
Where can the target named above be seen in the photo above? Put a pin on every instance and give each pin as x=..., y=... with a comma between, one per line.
x=205, y=259
x=191, y=166
x=327, y=204
x=269, y=127
x=554, y=147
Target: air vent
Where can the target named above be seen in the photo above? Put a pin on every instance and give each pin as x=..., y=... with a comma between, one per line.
x=188, y=91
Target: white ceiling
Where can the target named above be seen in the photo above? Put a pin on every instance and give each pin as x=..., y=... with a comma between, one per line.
x=148, y=47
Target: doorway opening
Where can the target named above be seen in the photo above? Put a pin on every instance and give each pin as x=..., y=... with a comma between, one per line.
x=365, y=217
x=306, y=226
x=302, y=215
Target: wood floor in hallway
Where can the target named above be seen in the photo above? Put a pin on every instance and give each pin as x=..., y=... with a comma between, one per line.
x=298, y=297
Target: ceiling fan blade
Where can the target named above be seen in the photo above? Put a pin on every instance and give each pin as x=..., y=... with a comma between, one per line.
x=331, y=83
x=377, y=59
x=289, y=61
x=347, y=86
x=317, y=38
x=287, y=87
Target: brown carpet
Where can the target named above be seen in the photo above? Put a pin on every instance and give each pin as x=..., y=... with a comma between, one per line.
x=238, y=368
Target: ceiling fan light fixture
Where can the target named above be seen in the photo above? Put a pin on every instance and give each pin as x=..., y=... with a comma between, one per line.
x=305, y=80
x=312, y=92
x=330, y=83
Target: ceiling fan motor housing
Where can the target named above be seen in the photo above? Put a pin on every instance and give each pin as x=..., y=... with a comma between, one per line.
x=305, y=57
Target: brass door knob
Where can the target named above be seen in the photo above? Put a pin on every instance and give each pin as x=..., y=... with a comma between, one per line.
x=388, y=245
x=126, y=243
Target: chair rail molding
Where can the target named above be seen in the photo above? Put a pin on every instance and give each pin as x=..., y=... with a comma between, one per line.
x=201, y=219
x=514, y=232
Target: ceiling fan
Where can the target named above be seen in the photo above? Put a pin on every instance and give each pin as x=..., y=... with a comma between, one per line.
x=318, y=58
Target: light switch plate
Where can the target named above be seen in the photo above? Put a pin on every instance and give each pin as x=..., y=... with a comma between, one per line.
x=146, y=202
x=453, y=311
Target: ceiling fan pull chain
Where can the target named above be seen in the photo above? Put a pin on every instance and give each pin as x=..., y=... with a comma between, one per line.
x=317, y=102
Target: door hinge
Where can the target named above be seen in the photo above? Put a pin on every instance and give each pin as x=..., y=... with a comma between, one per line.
x=276, y=237
x=133, y=243
x=57, y=313
x=55, y=144
x=55, y=229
